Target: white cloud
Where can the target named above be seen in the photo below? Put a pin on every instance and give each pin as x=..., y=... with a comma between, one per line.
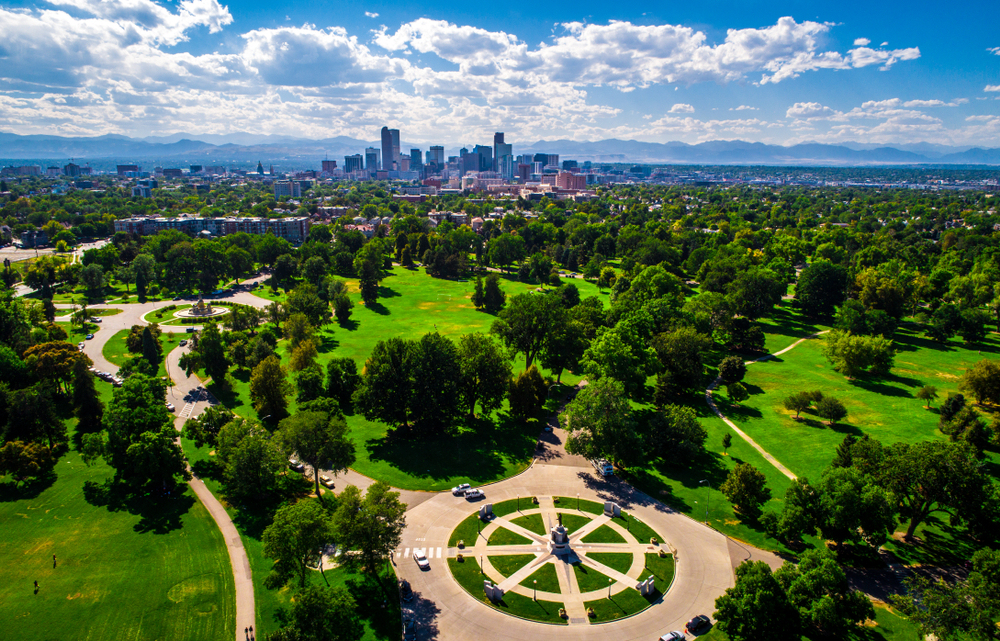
x=743, y=108
x=809, y=111
x=935, y=103
x=992, y=88
x=371, y=14
x=682, y=108
x=156, y=22
x=994, y=50
x=884, y=44
x=862, y=42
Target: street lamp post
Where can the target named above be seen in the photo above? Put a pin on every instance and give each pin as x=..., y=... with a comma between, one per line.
x=535, y=598
x=708, y=500
x=577, y=501
x=609, y=588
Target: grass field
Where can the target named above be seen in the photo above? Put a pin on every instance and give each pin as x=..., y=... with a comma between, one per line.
x=503, y=536
x=618, y=561
x=604, y=534
x=469, y=576
x=625, y=603
x=138, y=570
x=508, y=564
x=589, y=579
x=576, y=503
x=466, y=531
x=532, y=522
x=116, y=352
x=546, y=578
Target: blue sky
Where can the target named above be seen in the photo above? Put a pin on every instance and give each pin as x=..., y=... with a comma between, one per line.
x=454, y=72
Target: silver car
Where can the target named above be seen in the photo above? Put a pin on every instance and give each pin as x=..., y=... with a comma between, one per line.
x=421, y=558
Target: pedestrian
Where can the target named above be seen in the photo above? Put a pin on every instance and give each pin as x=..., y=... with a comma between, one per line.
x=53, y=561
x=246, y=632
x=36, y=587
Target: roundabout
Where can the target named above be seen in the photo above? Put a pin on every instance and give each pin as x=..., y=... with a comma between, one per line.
x=541, y=558
x=515, y=550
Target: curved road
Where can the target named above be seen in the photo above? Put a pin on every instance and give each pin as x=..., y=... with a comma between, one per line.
x=705, y=557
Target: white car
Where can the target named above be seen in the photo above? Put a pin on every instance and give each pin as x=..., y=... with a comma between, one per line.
x=673, y=636
x=326, y=480
x=170, y=406
x=459, y=490
x=474, y=494
x=421, y=558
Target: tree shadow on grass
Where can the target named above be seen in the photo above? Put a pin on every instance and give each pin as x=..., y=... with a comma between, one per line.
x=883, y=388
x=228, y=395
x=945, y=544
x=159, y=513
x=327, y=343
x=382, y=615
x=29, y=489
x=378, y=308
x=350, y=325
x=907, y=342
x=387, y=292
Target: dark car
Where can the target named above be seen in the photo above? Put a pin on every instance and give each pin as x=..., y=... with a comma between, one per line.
x=697, y=624
x=405, y=591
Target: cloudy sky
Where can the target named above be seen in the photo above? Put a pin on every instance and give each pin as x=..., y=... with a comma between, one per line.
x=777, y=71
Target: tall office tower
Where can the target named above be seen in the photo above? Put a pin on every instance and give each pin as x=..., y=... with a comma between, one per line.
x=502, y=151
x=569, y=164
x=542, y=158
x=387, y=148
x=506, y=166
x=436, y=155
x=415, y=163
x=485, y=157
x=553, y=160
x=497, y=140
x=404, y=163
x=329, y=166
x=395, y=149
x=353, y=163
x=469, y=161
x=371, y=159
x=523, y=171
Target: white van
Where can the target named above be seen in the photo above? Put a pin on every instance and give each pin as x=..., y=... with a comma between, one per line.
x=603, y=467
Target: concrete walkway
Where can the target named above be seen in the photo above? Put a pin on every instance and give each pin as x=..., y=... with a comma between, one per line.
x=746, y=437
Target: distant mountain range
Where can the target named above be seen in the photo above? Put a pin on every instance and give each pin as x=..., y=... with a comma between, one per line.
x=241, y=148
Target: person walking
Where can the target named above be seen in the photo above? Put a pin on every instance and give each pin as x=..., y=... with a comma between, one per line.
x=53, y=561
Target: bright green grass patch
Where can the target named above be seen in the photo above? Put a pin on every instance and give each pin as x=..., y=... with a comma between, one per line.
x=785, y=326
x=116, y=352
x=573, y=522
x=503, y=536
x=642, y=532
x=625, y=603
x=618, y=561
x=582, y=505
x=531, y=522
x=604, y=534
x=546, y=577
x=503, y=508
x=466, y=531
x=468, y=575
x=145, y=571
x=508, y=564
x=662, y=568
x=588, y=578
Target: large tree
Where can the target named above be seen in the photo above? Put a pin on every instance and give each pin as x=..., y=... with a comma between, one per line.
x=854, y=507
x=818, y=587
x=386, y=385
x=436, y=379
x=320, y=614
x=746, y=488
x=675, y=435
x=681, y=355
x=526, y=323
x=757, y=607
x=485, y=373
x=269, y=388
x=821, y=287
x=87, y=405
x=295, y=540
x=623, y=353
x=320, y=440
x=601, y=425
x=371, y=527
x=342, y=379
x=252, y=461
x=53, y=362
x=755, y=292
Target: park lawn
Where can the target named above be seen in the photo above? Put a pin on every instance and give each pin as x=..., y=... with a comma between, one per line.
x=625, y=603
x=531, y=522
x=546, y=577
x=785, y=325
x=140, y=570
x=603, y=534
x=379, y=623
x=642, y=532
x=503, y=536
x=469, y=576
x=77, y=333
x=573, y=522
x=508, y=564
x=885, y=409
x=618, y=561
x=503, y=508
x=116, y=352
x=588, y=578
x=662, y=568
x=468, y=530
x=582, y=505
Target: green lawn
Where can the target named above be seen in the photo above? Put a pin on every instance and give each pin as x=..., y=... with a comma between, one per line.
x=604, y=534
x=588, y=578
x=583, y=505
x=642, y=532
x=469, y=576
x=546, y=577
x=625, y=603
x=503, y=508
x=137, y=569
x=466, y=531
x=531, y=522
x=116, y=352
x=503, y=536
x=662, y=568
x=508, y=564
x=618, y=561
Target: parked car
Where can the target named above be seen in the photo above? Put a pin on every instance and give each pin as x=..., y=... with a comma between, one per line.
x=170, y=406
x=405, y=591
x=89, y=336
x=460, y=490
x=296, y=465
x=80, y=345
x=698, y=623
x=95, y=319
x=326, y=480
x=421, y=558
x=183, y=342
x=474, y=494
x=190, y=330
x=673, y=636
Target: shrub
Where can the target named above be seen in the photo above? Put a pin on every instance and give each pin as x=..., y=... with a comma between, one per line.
x=831, y=409
x=732, y=369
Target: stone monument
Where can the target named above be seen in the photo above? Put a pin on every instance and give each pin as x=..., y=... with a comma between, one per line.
x=560, y=539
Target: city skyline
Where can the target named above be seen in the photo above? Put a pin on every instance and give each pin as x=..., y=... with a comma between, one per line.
x=783, y=73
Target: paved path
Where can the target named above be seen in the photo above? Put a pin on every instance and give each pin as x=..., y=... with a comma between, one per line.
x=746, y=437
